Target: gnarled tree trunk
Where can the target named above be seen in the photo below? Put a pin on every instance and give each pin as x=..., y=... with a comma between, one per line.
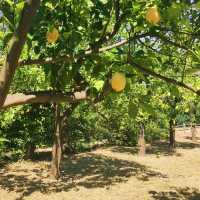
x=57, y=145
x=141, y=141
x=172, y=144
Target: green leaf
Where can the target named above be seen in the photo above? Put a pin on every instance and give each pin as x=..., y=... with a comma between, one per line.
x=1, y=35
x=175, y=92
x=2, y=140
x=10, y=2
x=148, y=108
x=49, y=5
x=193, y=70
x=66, y=35
x=98, y=84
x=174, y=11
x=132, y=109
x=197, y=5
x=19, y=7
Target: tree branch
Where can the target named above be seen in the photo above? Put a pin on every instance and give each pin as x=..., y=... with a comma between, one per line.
x=155, y=50
x=118, y=20
x=166, y=40
x=159, y=76
x=180, y=46
x=15, y=47
x=67, y=58
x=43, y=97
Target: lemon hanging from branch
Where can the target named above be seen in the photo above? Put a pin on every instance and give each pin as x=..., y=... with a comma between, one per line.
x=153, y=15
x=52, y=35
x=118, y=81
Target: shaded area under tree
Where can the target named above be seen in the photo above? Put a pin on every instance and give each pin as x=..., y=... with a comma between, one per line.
x=89, y=171
x=177, y=194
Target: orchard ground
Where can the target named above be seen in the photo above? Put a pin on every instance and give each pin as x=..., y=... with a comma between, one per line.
x=110, y=174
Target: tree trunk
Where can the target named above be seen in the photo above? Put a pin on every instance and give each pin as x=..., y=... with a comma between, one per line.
x=171, y=136
x=193, y=131
x=30, y=149
x=57, y=146
x=141, y=141
x=15, y=47
x=67, y=143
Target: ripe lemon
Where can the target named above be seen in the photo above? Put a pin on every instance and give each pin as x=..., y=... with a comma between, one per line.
x=118, y=81
x=52, y=36
x=152, y=15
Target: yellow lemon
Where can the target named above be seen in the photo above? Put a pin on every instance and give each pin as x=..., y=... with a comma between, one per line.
x=52, y=36
x=152, y=15
x=118, y=81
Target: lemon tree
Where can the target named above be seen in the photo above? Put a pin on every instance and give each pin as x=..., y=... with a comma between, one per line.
x=78, y=44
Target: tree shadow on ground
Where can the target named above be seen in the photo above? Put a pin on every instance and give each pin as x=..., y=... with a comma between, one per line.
x=123, y=149
x=3, y=163
x=162, y=148
x=89, y=171
x=177, y=194
x=158, y=148
x=190, y=138
x=188, y=145
x=42, y=156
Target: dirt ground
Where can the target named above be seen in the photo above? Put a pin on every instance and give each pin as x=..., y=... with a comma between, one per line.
x=110, y=174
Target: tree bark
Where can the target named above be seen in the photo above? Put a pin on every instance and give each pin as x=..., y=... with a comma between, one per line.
x=172, y=145
x=141, y=141
x=43, y=97
x=67, y=144
x=194, y=131
x=30, y=149
x=15, y=48
x=57, y=146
